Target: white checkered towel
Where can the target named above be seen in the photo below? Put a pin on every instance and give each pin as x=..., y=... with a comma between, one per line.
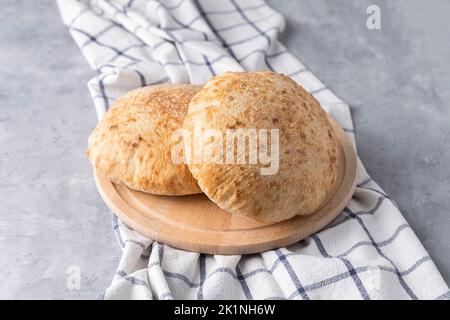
x=368, y=252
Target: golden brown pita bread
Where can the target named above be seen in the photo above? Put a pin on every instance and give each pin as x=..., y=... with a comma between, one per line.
x=132, y=144
x=308, y=149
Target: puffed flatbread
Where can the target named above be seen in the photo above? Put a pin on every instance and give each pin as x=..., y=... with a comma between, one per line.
x=308, y=149
x=133, y=143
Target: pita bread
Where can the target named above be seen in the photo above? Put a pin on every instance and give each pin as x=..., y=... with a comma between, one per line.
x=308, y=148
x=132, y=144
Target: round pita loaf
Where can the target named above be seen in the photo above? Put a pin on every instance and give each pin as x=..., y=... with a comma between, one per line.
x=133, y=143
x=308, y=149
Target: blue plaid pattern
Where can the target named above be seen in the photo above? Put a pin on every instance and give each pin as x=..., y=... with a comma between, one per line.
x=368, y=252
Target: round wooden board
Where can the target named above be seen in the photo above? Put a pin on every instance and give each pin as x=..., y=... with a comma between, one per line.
x=197, y=224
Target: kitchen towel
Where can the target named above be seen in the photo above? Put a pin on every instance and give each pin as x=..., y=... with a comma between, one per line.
x=368, y=252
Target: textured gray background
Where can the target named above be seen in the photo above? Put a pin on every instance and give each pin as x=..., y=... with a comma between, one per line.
x=396, y=81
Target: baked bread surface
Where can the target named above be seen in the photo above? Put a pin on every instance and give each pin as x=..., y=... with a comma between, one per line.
x=133, y=143
x=308, y=149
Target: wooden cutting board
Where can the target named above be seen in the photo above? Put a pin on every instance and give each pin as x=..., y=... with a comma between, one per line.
x=197, y=224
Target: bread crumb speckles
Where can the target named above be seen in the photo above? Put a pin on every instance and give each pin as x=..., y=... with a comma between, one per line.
x=264, y=99
x=131, y=145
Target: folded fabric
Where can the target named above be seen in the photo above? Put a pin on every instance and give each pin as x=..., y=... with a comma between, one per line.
x=368, y=252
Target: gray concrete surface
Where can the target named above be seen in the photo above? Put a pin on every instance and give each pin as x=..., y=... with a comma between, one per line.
x=396, y=81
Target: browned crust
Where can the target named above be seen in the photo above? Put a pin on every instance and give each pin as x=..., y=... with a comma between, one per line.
x=308, y=146
x=132, y=144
